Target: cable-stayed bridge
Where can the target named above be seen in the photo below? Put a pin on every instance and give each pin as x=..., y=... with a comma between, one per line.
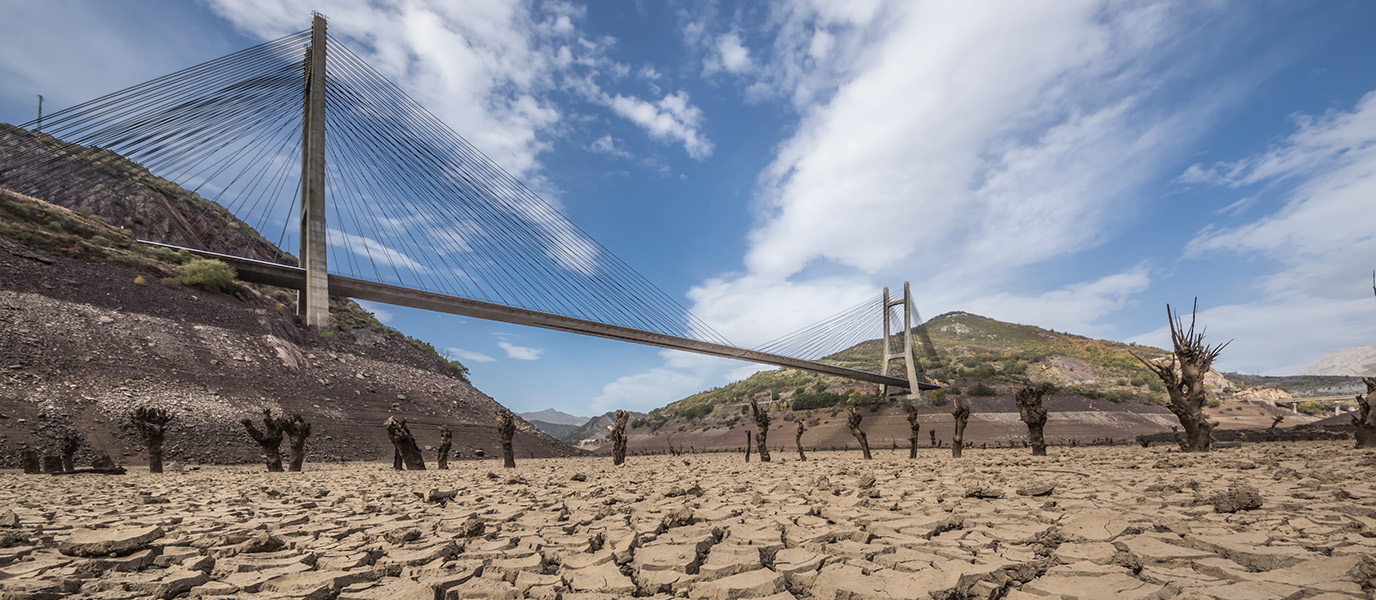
x=301, y=141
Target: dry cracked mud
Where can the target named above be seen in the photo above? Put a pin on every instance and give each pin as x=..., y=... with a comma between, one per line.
x=1119, y=522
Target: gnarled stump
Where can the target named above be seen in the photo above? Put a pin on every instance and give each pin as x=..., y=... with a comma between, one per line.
x=1365, y=420
x=70, y=444
x=1184, y=379
x=297, y=430
x=618, y=437
x=151, y=423
x=798, y=439
x=270, y=438
x=931, y=433
x=913, y=428
x=446, y=442
x=1029, y=400
x=761, y=427
x=406, y=453
x=962, y=415
x=747, y=446
x=28, y=459
x=506, y=427
x=853, y=421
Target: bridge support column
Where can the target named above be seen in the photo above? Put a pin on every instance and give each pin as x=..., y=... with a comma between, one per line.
x=313, y=302
x=907, y=352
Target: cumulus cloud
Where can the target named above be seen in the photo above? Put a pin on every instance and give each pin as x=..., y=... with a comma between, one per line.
x=520, y=352
x=673, y=117
x=729, y=55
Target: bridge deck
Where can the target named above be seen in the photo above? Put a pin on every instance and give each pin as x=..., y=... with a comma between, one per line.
x=262, y=272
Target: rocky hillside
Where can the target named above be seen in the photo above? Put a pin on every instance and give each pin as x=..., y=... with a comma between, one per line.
x=594, y=433
x=1352, y=362
x=96, y=325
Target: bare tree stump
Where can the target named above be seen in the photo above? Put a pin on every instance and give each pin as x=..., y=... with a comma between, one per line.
x=270, y=438
x=798, y=439
x=28, y=459
x=762, y=428
x=962, y=415
x=1029, y=400
x=854, y=422
x=506, y=427
x=446, y=442
x=297, y=430
x=52, y=464
x=71, y=442
x=931, y=433
x=1365, y=420
x=913, y=428
x=618, y=437
x=406, y=453
x=747, y=446
x=1184, y=379
x=151, y=423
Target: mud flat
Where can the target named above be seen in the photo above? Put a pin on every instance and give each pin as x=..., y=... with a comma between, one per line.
x=1261, y=521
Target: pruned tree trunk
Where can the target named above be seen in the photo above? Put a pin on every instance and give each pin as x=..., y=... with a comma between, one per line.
x=747, y=446
x=931, y=433
x=406, y=454
x=28, y=459
x=798, y=439
x=962, y=415
x=70, y=444
x=1184, y=379
x=297, y=430
x=446, y=442
x=506, y=428
x=853, y=420
x=913, y=429
x=618, y=437
x=151, y=423
x=1029, y=400
x=1365, y=420
x=270, y=438
x=761, y=427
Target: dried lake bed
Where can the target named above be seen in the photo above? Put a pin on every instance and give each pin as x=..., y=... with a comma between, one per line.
x=1283, y=520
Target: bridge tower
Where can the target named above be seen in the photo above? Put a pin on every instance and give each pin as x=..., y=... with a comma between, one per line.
x=313, y=302
x=906, y=353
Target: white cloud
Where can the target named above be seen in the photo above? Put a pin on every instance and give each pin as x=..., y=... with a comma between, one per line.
x=381, y=314
x=520, y=352
x=729, y=55
x=469, y=355
x=647, y=390
x=673, y=117
x=374, y=252
x=1317, y=299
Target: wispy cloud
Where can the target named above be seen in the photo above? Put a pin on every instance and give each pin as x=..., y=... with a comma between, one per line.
x=469, y=355
x=520, y=352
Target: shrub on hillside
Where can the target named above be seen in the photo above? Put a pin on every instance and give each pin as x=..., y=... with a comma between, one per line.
x=210, y=274
x=980, y=389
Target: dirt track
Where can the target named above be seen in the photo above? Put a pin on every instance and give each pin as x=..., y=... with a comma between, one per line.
x=1120, y=522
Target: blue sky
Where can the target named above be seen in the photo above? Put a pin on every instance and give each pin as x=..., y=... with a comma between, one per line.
x=1074, y=165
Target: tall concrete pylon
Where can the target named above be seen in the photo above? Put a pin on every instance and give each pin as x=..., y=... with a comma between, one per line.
x=314, y=302
x=906, y=353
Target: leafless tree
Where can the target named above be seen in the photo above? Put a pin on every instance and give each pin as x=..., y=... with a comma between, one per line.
x=618, y=437
x=405, y=451
x=761, y=417
x=1365, y=419
x=446, y=442
x=853, y=420
x=506, y=428
x=1184, y=379
x=798, y=439
x=71, y=442
x=961, y=412
x=1029, y=400
x=747, y=446
x=151, y=423
x=914, y=428
x=270, y=439
x=297, y=430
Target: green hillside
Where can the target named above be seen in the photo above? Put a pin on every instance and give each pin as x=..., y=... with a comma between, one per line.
x=969, y=354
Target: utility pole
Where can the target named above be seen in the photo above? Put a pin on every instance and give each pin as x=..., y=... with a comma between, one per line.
x=314, y=302
x=39, y=127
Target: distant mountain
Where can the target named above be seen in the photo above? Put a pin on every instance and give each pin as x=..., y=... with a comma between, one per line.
x=594, y=433
x=1353, y=362
x=1304, y=386
x=555, y=417
x=553, y=429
